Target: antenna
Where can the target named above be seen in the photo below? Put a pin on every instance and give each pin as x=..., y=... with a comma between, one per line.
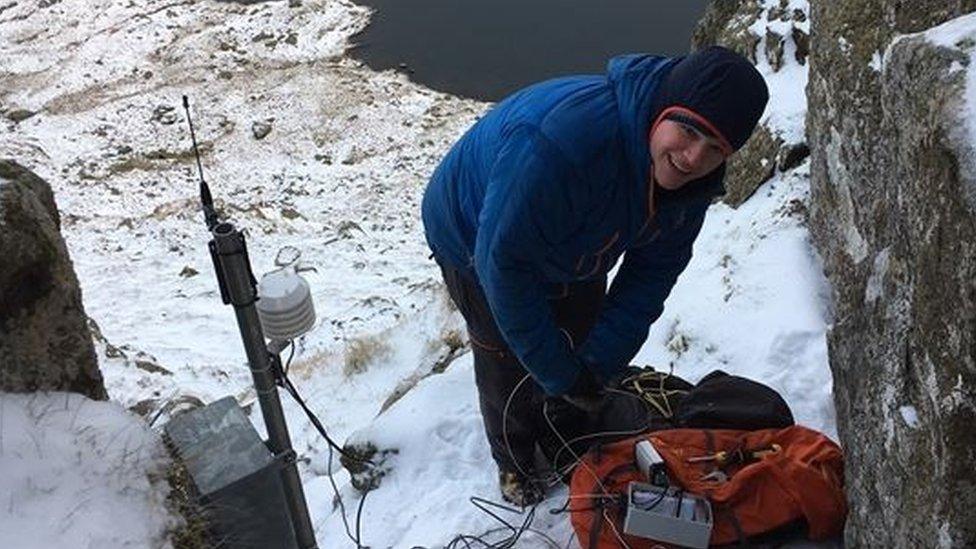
x=209, y=214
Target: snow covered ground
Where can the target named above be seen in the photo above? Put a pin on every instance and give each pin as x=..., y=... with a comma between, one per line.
x=340, y=176
x=79, y=473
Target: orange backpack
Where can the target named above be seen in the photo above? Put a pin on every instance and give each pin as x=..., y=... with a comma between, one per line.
x=799, y=477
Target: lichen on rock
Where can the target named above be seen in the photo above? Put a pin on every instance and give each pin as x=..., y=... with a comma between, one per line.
x=891, y=221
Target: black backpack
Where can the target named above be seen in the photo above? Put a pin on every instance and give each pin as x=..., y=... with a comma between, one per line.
x=645, y=400
x=652, y=400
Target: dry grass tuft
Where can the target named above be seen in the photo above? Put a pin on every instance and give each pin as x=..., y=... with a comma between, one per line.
x=363, y=351
x=453, y=339
x=317, y=361
x=193, y=532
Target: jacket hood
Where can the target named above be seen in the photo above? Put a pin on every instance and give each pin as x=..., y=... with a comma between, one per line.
x=636, y=81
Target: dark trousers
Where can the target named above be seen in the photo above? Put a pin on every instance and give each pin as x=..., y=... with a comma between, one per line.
x=498, y=372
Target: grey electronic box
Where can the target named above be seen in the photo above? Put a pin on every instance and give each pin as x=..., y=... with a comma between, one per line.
x=236, y=478
x=668, y=515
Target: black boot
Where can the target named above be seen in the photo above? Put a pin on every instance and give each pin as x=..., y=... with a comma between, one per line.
x=519, y=490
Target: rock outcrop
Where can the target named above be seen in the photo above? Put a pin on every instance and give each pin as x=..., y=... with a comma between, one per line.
x=734, y=24
x=44, y=339
x=893, y=214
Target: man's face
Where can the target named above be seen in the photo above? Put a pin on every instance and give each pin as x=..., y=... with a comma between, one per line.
x=680, y=153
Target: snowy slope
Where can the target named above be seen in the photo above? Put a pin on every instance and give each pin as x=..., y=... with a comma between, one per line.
x=340, y=176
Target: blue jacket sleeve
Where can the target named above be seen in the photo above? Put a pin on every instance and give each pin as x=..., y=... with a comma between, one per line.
x=636, y=296
x=525, y=210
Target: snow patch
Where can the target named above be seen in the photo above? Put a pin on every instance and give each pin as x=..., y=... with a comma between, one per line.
x=945, y=536
x=785, y=112
x=845, y=46
x=79, y=473
x=875, y=284
x=910, y=415
x=877, y=62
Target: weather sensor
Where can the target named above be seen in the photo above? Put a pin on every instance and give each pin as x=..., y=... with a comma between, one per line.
x=284, y=299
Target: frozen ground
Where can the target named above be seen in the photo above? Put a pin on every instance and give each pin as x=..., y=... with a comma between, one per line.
x=340, y=176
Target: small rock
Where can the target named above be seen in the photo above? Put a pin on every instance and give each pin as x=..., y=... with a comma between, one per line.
x=802, y=41
x=261, y=128
x=290, y=213
x=294, y=3
x=143, y=407
x=797, y=208
x=164, y=114
x=111, y=351
x=151, y=367
x=345, y=229
x=367, y=465
x=791, y=156
x=774, y=49
x=18, y=115
x=780, y=12
x=188, y=272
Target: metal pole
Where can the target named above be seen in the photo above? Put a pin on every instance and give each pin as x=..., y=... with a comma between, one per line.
x=238, y=286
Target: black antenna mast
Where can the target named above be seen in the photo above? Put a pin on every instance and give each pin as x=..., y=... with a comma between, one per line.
x=209, y=214
x=228, y=250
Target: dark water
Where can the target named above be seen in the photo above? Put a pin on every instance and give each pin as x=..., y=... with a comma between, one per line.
x=487, y=48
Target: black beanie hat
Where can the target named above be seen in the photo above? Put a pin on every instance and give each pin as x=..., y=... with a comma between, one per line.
x=722, y=87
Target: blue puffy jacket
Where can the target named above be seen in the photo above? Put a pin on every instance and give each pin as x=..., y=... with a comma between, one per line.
x=551, y=187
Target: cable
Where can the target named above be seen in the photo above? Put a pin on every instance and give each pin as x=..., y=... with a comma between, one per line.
x=481, y=503
x=615, y=531
x=508, y=445
x=290, y=388
x=545, y=414
x=569, y=467
x=291, y=355
x=579, y=460
x=663, y=392
x=504, y=543
x=359, y=516
x=342, y=506
x=569, y=541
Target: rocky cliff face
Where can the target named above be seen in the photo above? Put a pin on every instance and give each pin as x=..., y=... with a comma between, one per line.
x=44, y=340
x=893, y=215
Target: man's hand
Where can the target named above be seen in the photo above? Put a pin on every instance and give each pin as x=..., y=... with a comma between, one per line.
x=585, y=394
